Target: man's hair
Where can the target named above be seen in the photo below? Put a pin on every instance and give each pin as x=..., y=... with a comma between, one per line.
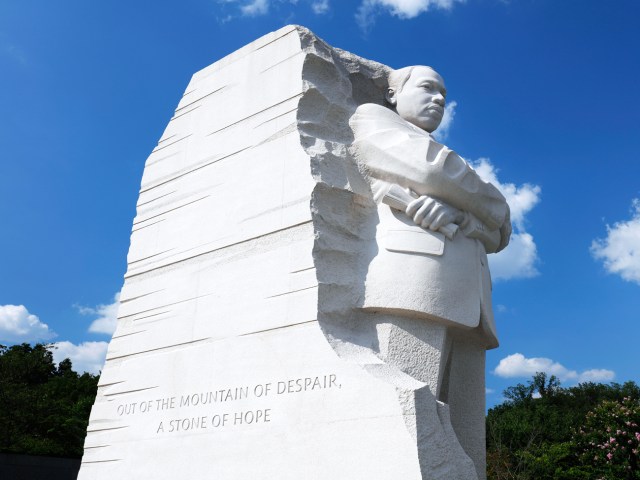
x=397, y=78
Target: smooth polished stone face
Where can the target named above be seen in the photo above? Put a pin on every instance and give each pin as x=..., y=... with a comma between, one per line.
x=421, y=99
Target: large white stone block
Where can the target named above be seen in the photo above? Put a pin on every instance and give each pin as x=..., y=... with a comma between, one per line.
x=241, y=349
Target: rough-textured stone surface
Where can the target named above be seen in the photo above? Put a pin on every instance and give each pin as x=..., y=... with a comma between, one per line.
x=241, y=349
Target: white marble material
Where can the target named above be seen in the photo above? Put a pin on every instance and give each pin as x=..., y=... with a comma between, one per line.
x=243, y=349
x=437, y=220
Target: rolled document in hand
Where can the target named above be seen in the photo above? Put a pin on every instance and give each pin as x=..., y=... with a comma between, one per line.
x=399, y=199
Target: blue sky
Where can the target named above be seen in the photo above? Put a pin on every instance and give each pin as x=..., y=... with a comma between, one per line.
x=543, y=98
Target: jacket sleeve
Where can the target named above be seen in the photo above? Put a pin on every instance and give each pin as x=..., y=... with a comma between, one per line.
x=393, y=150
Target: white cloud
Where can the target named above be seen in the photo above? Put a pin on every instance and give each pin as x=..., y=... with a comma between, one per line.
x=107, y=316
x=248, y=8
x=519, y=259
x=620, y=250
x=489, y=391
x=517, y=365
x=18, y=325
x=320, y=7
x=86, y=357
x=596, y=375
x=521, y=199
x=405, y=9
x=255, y=8
x=442, y=132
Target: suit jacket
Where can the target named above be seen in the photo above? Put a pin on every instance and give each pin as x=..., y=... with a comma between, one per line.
x=418, y=272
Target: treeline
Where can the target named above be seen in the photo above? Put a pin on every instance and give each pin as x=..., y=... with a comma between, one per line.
x=44, y=408
x=546, y=432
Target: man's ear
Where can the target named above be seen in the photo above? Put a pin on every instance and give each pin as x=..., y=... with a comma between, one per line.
x=390, y=96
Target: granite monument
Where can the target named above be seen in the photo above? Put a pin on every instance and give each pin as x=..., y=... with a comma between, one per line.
x=307, y=292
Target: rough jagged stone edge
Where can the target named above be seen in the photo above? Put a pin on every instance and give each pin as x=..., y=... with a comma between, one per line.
x=341, y=204
x=335, y=83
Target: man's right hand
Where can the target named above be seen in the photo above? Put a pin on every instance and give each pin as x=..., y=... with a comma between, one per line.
x=433, y=214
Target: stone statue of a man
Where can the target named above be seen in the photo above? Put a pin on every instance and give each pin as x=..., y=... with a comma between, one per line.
x=429, y=281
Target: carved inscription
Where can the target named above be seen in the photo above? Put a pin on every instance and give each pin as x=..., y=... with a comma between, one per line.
x=214, y=402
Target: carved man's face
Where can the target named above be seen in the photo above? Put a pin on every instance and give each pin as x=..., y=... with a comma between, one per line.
x=421, y=100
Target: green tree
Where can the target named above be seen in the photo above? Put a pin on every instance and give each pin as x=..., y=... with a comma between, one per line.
x=532, y=435
x=44, y=408
x=609, y=440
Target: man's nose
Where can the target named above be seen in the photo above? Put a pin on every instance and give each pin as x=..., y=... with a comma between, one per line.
x=439, y=99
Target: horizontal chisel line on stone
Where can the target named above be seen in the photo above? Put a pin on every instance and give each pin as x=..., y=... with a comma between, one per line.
x=157, y=198
x=151, y=319
x=282, y=61
x=150, y=162
x=134, y=354
x=291, y=128
x=277, y=116
x=170, y=210
x=129, y=391
x=130, y=299
x=152, y=315
x=297, y=95
x=147, y=225
x=303, y=269
x=278, y=328
x=96, y=446
x=128, y=334
x=163, y=306
x=180, y=196
x=170, y=144
x=294, y=30
x=102, y=461
x=109, y=384
x=147, y=188
x=162, y=140
x=189, y=92
x=282, y=206
x=292, y=291
x=175, y=117
x=242, y=245
x=148, y=257
x=201, y=98
x=106, y=429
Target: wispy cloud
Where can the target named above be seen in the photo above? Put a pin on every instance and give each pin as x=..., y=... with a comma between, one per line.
x=256, y=8
x=85, y=357
x=517, y=365
x=13, y=52
x=442, y=132
x=320, y=7
x=107, y=316
x=519, y=259
x=405, y=9
x=18, y=325
x=620, y=250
